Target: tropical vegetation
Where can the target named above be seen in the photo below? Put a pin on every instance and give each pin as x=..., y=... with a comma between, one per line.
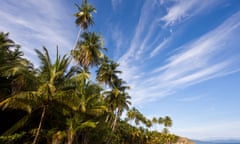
x=61, y=103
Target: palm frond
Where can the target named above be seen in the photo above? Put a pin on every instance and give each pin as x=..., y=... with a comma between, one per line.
x=45, y=62
x=97, y=110
x=87, y=124
x=23, y=100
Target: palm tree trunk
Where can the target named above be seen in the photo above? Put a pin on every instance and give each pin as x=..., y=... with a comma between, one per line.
x=106, y=120
x=76, y=41
x=115, y=120
x=40, y=125
x=85, y=138
x=70, y=137
x=114, y=125
x=70, y=134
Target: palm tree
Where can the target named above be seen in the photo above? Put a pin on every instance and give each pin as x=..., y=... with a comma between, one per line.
x=131, y=114
x=49, y=88
x=11, y=63
x=161, y=120
x=51, y=75
x=149, y=123
x=16, y=73
x=84, y=17
x=108, y=73
x=118, y=99
x=5, y=42
x=154, y=121
x=89, y=106
x=138, y=117
x=165, y=130
x=88, y=51
x=167, y=121
x=122, y=103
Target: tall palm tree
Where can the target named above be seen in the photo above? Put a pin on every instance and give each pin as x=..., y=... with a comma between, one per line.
x=113, y=95
x=53, y=77
x=167, y=121
x=89, y=50
x=122, y=103
x=118, y=101
x=84, y=17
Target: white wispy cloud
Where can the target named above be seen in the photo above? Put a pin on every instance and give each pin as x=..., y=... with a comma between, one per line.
x=34, y=24
x=159, y=47
x=182, y=10
x=140, y=32
x=197, y=61
x=179, y=11
x=150, y=36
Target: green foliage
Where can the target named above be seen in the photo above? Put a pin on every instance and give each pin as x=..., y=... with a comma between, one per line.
x=62, y=104
x=88, y=51
x=84, y=17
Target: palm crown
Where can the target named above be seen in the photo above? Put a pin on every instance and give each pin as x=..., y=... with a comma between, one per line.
x=84, y=17
x=88, y=51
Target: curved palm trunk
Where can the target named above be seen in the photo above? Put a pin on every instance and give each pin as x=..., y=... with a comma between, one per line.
x=115, y=120
x=70, y=134
x=107, y=118
x=75, y=43
x=114, y=123
x=40, y=125
x=113, y=126
x=70, y=137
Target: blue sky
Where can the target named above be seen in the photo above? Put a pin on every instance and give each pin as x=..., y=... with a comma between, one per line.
x=180, y=57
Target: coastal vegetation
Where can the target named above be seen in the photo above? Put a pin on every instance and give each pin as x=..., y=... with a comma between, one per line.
x=60, y=102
